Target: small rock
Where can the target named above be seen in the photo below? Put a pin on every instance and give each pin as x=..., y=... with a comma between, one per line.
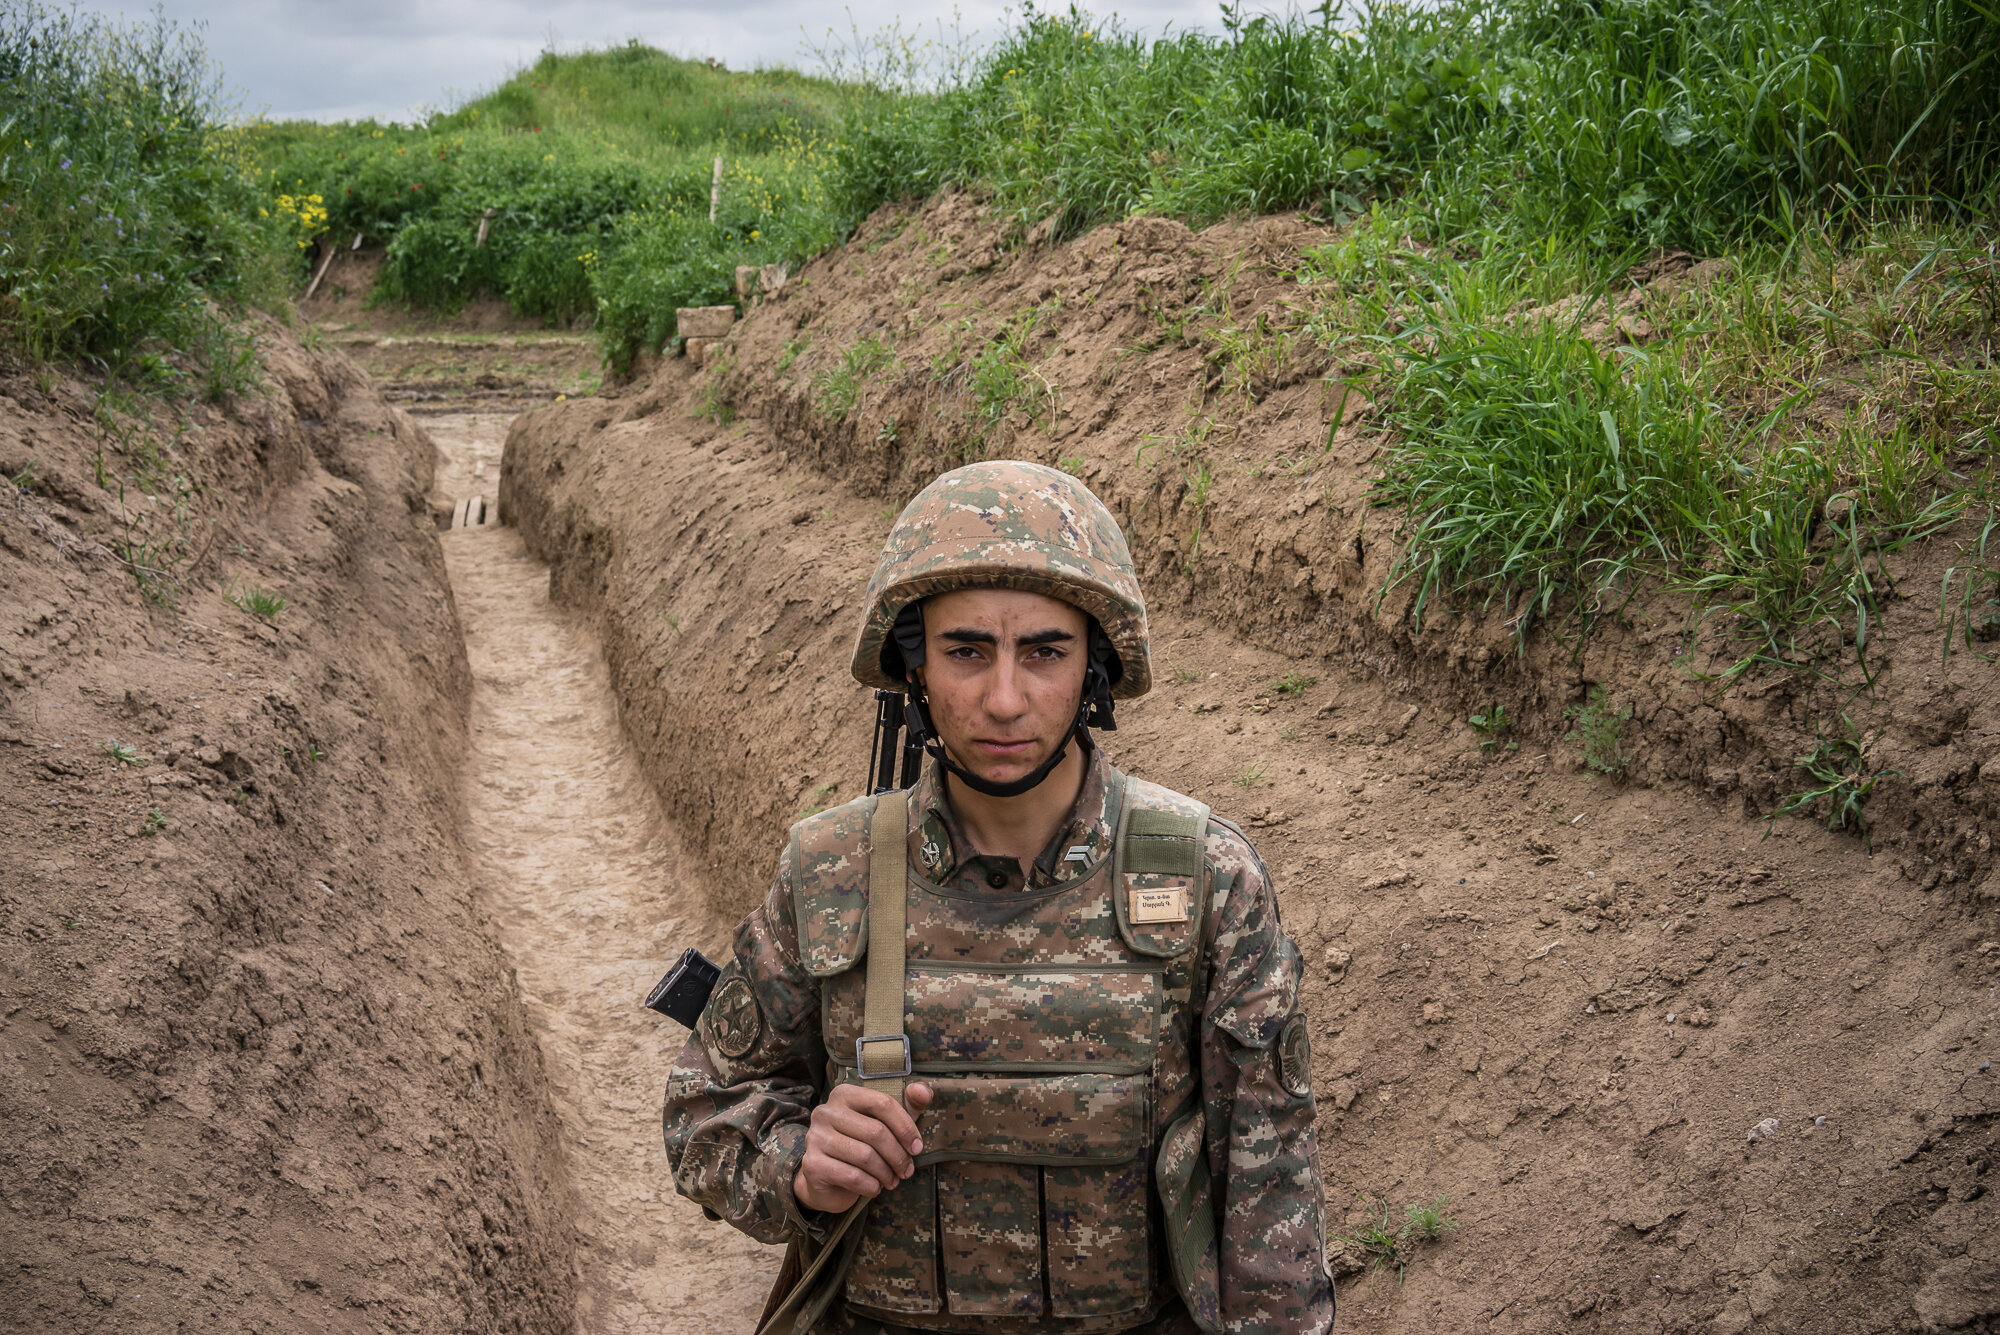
x=1336, y=960
x=704, y=321
x=1764, y=1130
x=1435, y=1013
x=1341, y=1094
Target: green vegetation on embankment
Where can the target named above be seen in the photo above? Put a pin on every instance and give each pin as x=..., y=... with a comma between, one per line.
x=1825, y=395
x=582, y=186
x=130, y=224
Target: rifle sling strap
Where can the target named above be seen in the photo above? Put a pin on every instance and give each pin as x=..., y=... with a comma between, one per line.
x=882, y=1055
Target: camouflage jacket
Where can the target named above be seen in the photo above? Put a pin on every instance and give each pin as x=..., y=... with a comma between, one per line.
x=740, y=1096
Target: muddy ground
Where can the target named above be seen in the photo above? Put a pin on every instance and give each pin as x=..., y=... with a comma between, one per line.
x=1563, y=1001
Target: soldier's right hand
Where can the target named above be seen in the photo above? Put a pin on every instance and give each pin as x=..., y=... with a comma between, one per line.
x=862, y=1142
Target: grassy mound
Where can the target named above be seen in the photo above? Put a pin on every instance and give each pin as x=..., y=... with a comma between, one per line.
x=582, y=186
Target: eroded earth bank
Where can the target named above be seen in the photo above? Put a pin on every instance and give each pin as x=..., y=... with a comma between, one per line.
x=323, y=925
x=265, y=1066
x=1562, y=1001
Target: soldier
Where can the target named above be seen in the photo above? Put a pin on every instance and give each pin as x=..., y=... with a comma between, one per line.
x=1019, y=1049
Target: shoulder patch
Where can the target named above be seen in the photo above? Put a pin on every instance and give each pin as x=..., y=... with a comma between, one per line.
x=828, y=866
x=1295, y=1056
x=734, y=1021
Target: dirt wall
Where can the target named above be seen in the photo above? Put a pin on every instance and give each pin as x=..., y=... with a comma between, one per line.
x=265, y=1068
x=1564, y=1003
x=1247, y=501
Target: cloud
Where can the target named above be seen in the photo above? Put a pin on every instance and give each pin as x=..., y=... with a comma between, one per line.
x=328, y=59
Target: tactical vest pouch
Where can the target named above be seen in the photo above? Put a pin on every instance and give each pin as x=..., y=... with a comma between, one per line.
x=1010, y=1161
x=1187, y=1201
x=1054, y=1031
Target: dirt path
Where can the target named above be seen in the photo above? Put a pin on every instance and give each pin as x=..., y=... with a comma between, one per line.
x=580, y=874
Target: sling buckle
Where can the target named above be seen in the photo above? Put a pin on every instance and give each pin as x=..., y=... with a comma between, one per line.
x=861, y=1063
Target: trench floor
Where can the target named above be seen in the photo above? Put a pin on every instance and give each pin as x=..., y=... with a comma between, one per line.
x=580, y=874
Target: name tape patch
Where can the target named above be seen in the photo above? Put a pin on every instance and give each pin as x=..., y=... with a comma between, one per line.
x=1159, y=905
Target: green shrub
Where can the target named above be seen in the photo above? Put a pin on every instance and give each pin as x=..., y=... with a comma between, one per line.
x=566, y=165
x=656, y=262
x=124, y=211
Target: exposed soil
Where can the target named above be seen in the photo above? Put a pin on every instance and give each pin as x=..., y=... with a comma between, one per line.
x=266, y=1070
x=585, y=887
x=480, y=359
x=347, y=1035
x=1563, y=1001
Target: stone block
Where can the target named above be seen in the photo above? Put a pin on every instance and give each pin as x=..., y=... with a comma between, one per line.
x=704, y=321
x=746, y=278
x=771, y=279
x=697, y=349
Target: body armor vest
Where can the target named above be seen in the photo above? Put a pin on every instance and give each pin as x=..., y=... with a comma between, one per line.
x=1063, y=1183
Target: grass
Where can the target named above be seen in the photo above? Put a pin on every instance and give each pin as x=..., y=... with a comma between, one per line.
x=1635, y=124
x=258, y=602
x=123, y=752
x=1293, y=683
x=1002, y=380
x=579, y=189
x=1556, y=473
x=712, y=397
x=1974, y=613
x=837, y=388
x=1492, y=725
x=1389, y=1245
x=1842, y=779
x=156, y=820
x=1250, y=775
x=1598, y=726
x=814, y=801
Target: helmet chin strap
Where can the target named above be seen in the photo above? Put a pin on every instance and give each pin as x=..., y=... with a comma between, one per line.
x=917, y=717
x=1093, y=708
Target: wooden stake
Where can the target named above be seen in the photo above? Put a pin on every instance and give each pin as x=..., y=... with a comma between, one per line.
x=324, y=265
x=715, y=191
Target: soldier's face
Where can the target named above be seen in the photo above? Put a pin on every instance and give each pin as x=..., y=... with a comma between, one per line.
x=1004, y=672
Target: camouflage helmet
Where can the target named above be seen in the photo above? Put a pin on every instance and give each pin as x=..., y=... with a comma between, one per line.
x=1010, y=525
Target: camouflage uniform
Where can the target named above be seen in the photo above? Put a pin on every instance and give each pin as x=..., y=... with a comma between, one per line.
x=1122, y=1131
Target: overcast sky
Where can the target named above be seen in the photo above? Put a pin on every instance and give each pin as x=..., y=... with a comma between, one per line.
x=330, y=59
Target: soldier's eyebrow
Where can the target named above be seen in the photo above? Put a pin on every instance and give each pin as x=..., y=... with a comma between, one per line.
x=973, y=635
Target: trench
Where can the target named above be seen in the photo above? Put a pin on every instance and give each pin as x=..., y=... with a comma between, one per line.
x=580, y=875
